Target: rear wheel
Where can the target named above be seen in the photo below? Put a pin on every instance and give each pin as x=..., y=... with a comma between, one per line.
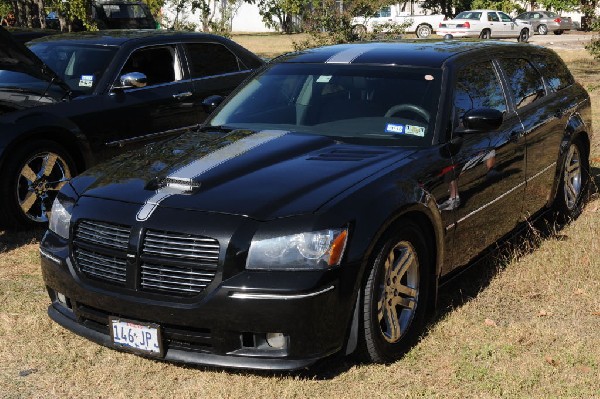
x=485, y=34
x=395, y=295
x=523, y=36
x=30, y=181
x=574, y=182
x=424, y=31
x=542, y=29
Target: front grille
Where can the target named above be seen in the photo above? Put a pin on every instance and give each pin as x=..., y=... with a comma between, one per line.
x=202, y=250
x=103, y=234
x=100, y=266
x=188, y=266
x=188, y=280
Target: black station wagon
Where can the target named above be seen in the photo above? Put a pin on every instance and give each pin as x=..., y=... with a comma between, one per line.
x=69, y=101
x=321, y=206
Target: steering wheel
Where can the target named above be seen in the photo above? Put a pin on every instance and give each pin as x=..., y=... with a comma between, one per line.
x=408, y=107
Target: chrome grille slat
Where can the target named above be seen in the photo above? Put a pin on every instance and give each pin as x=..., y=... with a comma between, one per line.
x=101, y=266
x=104, y=234
x=157, y=269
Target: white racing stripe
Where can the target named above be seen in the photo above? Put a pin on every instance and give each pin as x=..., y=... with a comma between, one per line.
x=347, y=56
x=182, y=181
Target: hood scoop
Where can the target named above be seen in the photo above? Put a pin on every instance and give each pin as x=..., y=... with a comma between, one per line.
x=347, y=155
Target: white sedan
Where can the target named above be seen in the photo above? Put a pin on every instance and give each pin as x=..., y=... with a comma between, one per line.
x=485, y=24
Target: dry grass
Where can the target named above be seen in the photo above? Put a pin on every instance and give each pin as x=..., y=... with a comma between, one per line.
x=526, y=325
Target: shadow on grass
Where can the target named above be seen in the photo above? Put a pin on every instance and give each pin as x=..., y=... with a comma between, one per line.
x=10, y=240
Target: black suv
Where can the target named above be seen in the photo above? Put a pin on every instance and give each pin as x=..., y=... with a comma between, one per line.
x=319, y=208
x=67, y=101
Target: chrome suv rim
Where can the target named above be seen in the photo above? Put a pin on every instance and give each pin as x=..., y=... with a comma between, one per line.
x=40, y=179
x=399, y=291
x=572, y=177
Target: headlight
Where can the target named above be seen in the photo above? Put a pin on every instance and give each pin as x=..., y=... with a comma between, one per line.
x=60, y=216
x=312, y=250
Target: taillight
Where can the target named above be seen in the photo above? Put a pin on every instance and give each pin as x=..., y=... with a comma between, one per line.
x=467, y=25
x=557, y=20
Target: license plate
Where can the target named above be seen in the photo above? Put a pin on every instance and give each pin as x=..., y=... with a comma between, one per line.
x=143, y=338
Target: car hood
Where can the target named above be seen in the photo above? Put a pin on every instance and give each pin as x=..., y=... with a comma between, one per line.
x=16, y=57
x=262, y=175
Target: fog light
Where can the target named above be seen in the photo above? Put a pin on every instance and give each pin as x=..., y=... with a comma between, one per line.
x=61, y=298
x=276, y=340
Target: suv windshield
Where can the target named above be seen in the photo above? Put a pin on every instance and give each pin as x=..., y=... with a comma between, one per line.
x=80, y=66
x=338, y=100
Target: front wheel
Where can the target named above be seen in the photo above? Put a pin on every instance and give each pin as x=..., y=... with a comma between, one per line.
x=395, y=295
x=523, y=36
x=574, y=182
x=558, y=32
x=485, y=34
x=30, y=182
x=424, y=31
x=543, y=29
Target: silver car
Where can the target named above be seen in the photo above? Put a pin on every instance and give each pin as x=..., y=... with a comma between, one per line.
x=543, y=22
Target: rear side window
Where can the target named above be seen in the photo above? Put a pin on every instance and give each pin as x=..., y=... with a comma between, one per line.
x=525, y=82
x=555, y=71
x=478, y=86
x=209, y=59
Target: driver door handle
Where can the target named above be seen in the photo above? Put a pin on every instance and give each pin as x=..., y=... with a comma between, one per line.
x=185, y=94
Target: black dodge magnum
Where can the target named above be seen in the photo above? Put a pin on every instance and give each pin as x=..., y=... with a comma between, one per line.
x=321, y=206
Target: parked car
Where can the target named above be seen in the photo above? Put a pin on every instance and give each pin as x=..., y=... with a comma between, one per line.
x=122, y=14
x=543, y=22
x=319, y=208
x=485, y=24
x=25, y=35
x=421, y=25
x=71, y=100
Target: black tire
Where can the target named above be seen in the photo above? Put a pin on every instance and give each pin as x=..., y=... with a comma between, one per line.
x=394, y=305
x=29, y=182
x=523, y=36
x=574, y=182
x=558, y=32
x=485, y=34
x=423, y=31
x=542, y=29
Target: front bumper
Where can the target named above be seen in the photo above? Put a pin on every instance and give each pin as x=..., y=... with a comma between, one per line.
x=224, y=326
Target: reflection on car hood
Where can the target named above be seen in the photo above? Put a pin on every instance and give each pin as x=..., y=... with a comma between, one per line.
x=16, y=57
x=263, y=175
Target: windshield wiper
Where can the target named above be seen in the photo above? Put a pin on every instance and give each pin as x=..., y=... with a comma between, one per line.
x=220, y=128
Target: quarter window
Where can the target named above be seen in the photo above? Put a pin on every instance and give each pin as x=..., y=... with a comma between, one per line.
x=524, y=80
x=478, y=86
x=556, y=72
x=208, y=59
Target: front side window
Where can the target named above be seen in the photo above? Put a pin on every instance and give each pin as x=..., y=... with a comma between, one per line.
x=525, y=82
x=80, y=66
x=159, y=64
x=504, y=17
x=209, y=59
x=339, y=100
x=477, y=86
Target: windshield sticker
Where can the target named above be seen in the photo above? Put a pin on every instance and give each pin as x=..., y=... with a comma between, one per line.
x=324, y=79
x=86, y=81
x=415, y=130
x=393, y=128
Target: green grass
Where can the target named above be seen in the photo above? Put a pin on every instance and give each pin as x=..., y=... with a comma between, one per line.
x=525, y=323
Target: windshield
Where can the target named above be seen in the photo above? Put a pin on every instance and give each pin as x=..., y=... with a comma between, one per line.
x=339, y=100
x=469, y=15
x=80, y=66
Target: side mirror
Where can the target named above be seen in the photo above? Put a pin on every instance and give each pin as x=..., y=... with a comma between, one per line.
x=482, y=120
x=133, y=80
x=211, y=103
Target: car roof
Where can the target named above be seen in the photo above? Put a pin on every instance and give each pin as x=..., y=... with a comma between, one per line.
x=419, y=53
x=118, y=37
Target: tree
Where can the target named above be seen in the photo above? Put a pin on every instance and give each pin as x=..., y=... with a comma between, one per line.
x=560, y=5
x=281, y=14
x=507, y=6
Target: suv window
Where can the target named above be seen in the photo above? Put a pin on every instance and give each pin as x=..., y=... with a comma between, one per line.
x=504, y=17
x=208, y=59
x=556, y=72
x=478, y=86
x=157, y=63
x=524, y=80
